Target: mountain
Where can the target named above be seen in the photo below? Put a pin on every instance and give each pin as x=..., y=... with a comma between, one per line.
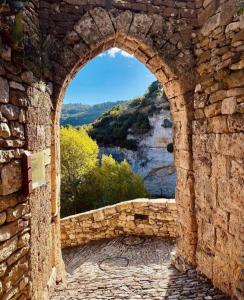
x=113, y=127
x=78, y=114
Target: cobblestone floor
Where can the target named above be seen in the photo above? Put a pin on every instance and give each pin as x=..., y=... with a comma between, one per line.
x=129, y=268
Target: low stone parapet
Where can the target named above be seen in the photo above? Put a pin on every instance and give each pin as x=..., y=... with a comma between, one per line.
x=155, y=217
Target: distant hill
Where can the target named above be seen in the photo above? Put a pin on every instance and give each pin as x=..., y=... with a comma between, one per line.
x=112, y=127
x=78, y=114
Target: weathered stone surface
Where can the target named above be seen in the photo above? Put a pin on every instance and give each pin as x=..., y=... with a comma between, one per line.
x=121, y=20
x=10, y=111
x=4, y=131
x=16, y=86
x=3, y=268
x=17, y=129
x=17, y=212
x=229, y=106
x=87, y=29
x=140, y=25
x=9, y=230
x=11, y=178
x=103, y=21
x=27, y=77
x=4, y=90
x=120, y=219
x=7, y=248
x=24, y=240
x=3, y=217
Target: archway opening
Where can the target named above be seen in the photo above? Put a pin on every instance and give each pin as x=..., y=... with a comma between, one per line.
x=119, y=146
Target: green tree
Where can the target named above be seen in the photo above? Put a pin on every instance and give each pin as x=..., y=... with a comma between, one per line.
x=86, y=184
x=118, y=182
x=78, y=157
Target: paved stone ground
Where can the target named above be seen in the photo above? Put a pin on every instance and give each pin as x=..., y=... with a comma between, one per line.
x=129, y=268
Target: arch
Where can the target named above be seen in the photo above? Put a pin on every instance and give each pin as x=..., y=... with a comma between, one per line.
x=138, y=34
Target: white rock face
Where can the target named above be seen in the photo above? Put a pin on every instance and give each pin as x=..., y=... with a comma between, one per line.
x=152, y=160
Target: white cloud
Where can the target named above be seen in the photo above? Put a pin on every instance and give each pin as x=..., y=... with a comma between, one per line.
x=114, y=51
x=126, y=54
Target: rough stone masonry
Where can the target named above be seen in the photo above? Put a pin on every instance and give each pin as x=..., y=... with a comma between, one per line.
x=195, y=49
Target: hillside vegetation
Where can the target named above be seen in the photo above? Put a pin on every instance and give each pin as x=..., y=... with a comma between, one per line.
x=112, y=127
x=77, y=114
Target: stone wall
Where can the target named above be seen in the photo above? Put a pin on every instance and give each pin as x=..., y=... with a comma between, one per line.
x=218, y=144
x=137, y=217
x=15, y=210
x=26, y=225
x=189, y=45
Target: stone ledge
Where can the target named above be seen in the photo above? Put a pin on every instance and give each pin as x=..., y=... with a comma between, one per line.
x=155, y=217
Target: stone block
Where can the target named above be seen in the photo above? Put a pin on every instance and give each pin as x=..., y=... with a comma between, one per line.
x=220, y=218
x=4, y=90
x=18, y=98
x=88, y=30
x=231, y=144
x=10, y=111
x=206, y=236
x=219, y=166
x=4, y=131
x=36, y=139
x=11, y=178
x=3, y=269
x=237, y=168
x=221, y=272
x=236, y=226
x=217, y=124
x=121, y=20
x=3, y=217
x=98, y=215
x=235, y=123
x=9, y=230
x=23, y=240
x=140, y=25
x=7, y=248
x=229, y=106
x=212, y=110
x=17, y=130
x=17, y=86
x=103, y=21
x=205, y=263
x=17, y=212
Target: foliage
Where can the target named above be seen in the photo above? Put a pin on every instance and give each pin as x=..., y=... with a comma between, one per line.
x=87, y=184
x=78, y=156
x=112, y=127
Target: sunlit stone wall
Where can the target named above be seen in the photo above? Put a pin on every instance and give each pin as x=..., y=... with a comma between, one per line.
x=136, y=217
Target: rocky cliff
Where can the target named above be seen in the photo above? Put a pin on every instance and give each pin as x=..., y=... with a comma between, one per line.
x=153, y=159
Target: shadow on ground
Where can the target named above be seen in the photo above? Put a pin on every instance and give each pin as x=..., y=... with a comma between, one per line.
x=129, y=268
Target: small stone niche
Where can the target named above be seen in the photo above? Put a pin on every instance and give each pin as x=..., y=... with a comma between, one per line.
x=141, y=217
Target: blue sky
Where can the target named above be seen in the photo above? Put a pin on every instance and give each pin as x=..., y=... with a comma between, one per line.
x=113, y=75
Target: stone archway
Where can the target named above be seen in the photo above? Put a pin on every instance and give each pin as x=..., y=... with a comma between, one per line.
x=138, y=34
x=195, y=50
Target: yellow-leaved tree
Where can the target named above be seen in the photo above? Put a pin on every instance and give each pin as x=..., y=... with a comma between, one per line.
x=78, y=157
x=86, y=182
